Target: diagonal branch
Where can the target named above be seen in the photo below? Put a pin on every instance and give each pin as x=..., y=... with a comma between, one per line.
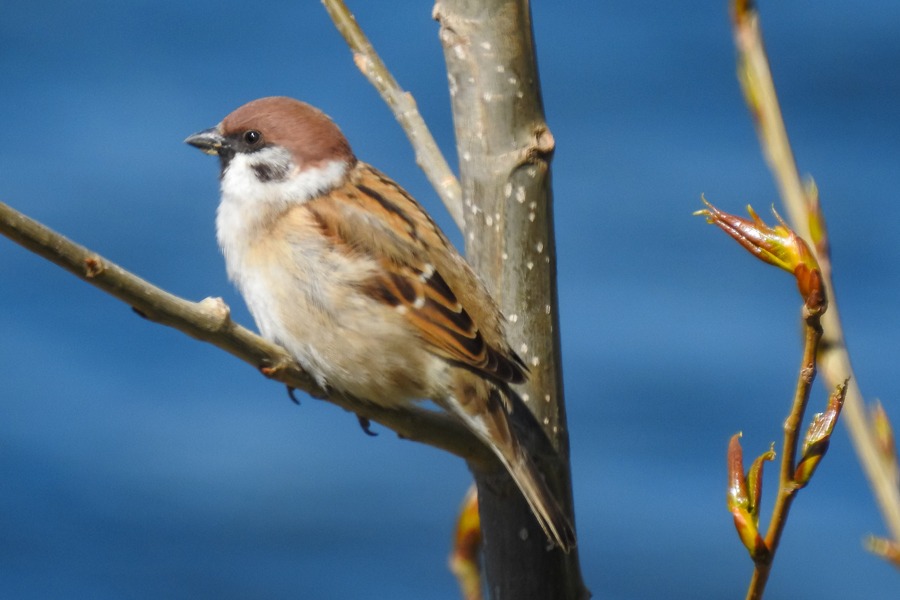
x=209, y=321
x=428, y=155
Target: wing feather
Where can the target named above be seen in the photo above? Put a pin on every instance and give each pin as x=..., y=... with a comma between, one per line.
x=419, y=273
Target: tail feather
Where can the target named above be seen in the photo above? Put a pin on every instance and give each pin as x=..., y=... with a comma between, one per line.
x=546, y=509
x=479, y=405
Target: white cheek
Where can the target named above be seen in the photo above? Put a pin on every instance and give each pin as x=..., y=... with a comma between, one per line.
x=242, y=185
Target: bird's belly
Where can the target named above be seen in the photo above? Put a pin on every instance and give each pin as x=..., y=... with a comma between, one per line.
x=346, y=339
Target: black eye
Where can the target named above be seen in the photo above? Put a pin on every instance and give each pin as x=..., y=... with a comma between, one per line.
x=252, y=137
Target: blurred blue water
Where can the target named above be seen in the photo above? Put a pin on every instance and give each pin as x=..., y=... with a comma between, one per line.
x=137, y=463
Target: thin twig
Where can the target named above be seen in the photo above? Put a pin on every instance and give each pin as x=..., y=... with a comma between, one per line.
x=428, y=155
x=787, y=489
x=209, y=321
x=834, y=360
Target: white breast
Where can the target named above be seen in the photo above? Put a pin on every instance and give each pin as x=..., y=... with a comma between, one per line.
x=305, y=296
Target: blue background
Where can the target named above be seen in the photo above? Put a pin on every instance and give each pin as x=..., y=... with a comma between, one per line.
x=138, y=463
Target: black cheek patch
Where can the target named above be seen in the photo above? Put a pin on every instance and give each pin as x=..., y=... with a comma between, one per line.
x=269, y=172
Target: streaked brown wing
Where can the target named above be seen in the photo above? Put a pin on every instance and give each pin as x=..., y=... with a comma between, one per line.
x=372, y=215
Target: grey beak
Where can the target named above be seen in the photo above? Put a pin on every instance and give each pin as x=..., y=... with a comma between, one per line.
x=209, y=141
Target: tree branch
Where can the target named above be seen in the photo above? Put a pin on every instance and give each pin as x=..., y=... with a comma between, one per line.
x=428, y=155
x=504, y=148
x=210, y=321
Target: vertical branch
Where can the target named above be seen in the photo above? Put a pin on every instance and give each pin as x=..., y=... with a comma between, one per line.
x=504, y=148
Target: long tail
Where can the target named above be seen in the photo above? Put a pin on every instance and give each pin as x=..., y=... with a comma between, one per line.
x=478, y=404
x=543, y=504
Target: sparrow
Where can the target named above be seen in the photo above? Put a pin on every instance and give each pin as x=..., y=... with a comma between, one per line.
x=344, y=269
